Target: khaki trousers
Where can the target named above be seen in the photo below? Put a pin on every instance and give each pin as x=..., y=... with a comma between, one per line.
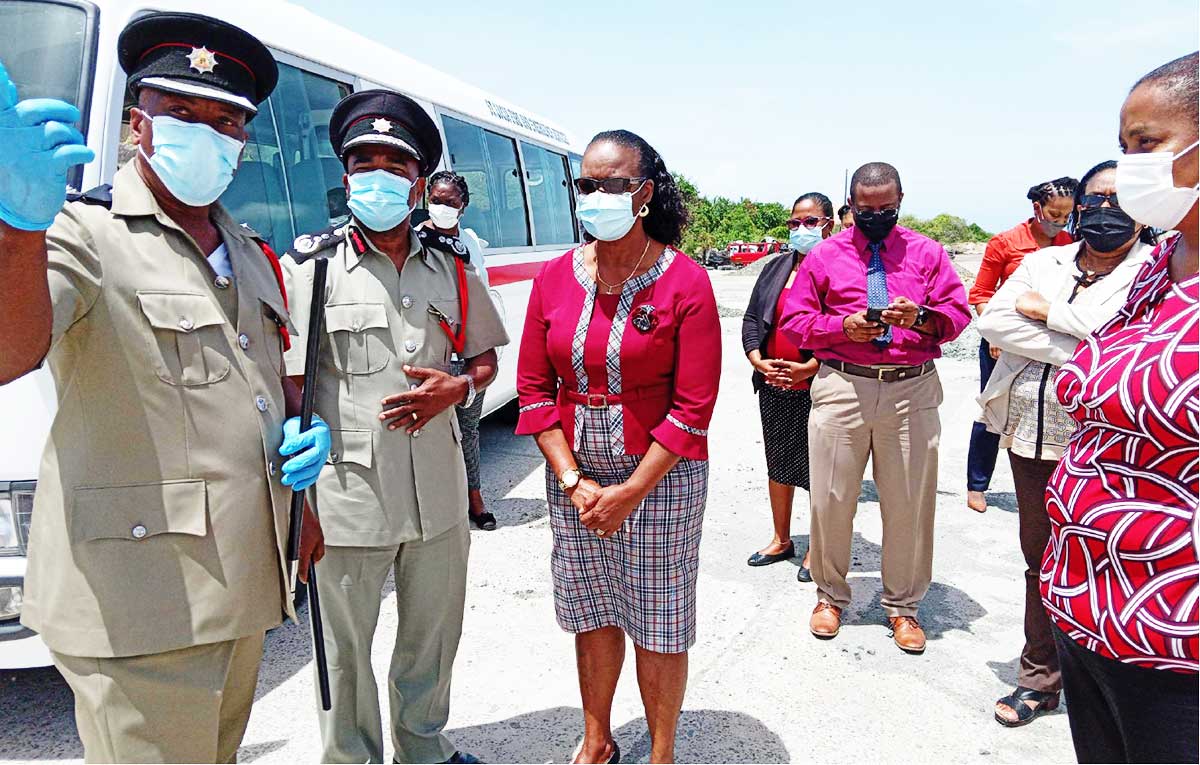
x=190, y=705
x=431, y=582
x=896, y=425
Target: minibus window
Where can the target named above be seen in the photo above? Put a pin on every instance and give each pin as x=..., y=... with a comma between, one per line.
x=45, y=47
x=488, y=161
x=549, y=195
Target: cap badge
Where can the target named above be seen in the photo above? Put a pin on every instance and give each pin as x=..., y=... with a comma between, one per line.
x=202, y=60
x=382, y=126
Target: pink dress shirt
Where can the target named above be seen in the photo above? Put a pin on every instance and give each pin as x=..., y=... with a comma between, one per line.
x=832, y=283
x=656, y=346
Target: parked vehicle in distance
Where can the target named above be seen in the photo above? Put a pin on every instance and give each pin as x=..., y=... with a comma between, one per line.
x=714, y=258
x=745, y=253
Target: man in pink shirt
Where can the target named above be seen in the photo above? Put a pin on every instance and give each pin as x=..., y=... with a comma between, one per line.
x=874, y=304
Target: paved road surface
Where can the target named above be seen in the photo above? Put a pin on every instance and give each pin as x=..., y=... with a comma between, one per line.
x=761, y=688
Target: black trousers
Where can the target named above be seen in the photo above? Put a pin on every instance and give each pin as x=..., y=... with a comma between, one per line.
x=985, y=445
x=1122, y=713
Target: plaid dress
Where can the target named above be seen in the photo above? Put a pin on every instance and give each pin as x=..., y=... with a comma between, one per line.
x=642, y=578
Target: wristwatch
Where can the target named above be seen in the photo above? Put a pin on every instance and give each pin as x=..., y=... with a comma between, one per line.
x=922, y=316
x=569, y=479
x=470, y=399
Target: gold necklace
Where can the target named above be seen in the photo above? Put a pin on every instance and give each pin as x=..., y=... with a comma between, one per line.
x=612, y=289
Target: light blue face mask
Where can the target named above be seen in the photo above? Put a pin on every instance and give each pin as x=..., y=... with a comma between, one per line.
x=194, y=162
x=379, y=199
x=803, y=239
x=608, y=217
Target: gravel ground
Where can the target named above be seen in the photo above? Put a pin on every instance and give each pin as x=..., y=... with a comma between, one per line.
x=761, y=688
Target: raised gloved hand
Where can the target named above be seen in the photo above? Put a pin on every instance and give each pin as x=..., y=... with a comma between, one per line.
x=301, y=471
x=38, y=145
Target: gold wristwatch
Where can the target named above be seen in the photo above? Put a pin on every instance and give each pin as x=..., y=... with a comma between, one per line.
x=569, y=479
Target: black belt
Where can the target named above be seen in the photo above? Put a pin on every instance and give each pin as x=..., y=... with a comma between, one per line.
x=883, y=374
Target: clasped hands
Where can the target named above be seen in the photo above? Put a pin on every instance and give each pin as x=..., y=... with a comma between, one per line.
x=901, y=313
x=602, y=509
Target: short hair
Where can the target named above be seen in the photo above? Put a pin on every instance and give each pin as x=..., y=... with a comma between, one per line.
x=452, y=178
x=1059, y=187
x=668, y=215
x=1178, y=81
x=842, y=211
x=1148, y=235
x=819, y=199
x=874, y=174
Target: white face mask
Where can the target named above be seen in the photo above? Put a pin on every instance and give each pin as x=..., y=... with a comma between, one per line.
x=1147, y=189
x=444, y=216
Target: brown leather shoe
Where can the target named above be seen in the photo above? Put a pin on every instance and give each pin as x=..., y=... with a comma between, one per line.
x=826, y=621
x=907, y=633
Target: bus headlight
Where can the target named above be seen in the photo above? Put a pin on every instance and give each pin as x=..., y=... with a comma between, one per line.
x=10, y=601
x=10, y=543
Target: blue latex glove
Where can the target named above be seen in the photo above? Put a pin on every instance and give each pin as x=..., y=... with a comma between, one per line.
x=301, y=471
x=38, y=145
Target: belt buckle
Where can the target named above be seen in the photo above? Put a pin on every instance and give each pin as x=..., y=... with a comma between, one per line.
x=881, y=371
x=597, y=401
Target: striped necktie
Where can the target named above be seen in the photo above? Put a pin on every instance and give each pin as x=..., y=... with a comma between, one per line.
x=877, y=290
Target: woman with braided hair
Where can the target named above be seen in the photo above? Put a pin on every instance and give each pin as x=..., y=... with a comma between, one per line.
x=448, y=200
x=1053, y=202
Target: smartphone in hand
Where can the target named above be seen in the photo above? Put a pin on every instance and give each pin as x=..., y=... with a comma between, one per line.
x=875, y=315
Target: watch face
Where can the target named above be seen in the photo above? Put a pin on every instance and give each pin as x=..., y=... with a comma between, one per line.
x=570, y=478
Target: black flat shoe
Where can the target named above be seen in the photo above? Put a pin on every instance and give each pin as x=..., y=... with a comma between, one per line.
x=804, y=574
x=483, y=521
x=758, y=559
x=1044, y=701
x=464, y=757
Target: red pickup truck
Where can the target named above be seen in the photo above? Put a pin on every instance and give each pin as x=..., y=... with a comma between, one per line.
x=745, y=253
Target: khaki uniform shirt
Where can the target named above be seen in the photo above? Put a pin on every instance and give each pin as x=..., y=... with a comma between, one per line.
x=159, y=520
x=385, y=487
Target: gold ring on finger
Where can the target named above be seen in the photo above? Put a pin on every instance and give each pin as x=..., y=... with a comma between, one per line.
x=599, y=532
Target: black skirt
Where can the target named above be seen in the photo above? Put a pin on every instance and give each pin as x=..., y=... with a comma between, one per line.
x=784, y=416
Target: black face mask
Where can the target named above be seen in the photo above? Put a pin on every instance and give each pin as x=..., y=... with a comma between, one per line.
x=876, y=225
x=1105, y=229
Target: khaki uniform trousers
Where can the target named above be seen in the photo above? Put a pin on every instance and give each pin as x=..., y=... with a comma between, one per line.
x=431, y=583
x=189, y=705
x=896, y=425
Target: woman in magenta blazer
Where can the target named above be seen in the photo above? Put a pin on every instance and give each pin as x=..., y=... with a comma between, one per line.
x=617, y=379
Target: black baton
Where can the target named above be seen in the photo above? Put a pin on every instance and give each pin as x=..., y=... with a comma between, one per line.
x=308, y=396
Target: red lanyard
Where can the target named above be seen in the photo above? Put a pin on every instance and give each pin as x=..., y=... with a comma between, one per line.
x=458, y=336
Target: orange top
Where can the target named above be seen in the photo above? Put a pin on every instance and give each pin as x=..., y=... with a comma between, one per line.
x=1004, y=253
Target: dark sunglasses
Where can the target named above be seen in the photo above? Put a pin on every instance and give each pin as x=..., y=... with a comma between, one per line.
x=1088, y=201
x=607, y=185
x=811, y=221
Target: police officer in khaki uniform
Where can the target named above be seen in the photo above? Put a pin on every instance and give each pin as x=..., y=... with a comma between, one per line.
x=157, y=558
x=400, y=305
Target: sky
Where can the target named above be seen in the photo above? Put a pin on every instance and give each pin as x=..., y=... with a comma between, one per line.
x=973, y=102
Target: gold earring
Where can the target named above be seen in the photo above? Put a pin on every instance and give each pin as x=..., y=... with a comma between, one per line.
x=642, y=213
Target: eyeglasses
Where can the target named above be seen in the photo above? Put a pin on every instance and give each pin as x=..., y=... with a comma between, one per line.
x=810, y=221
x=883, y=211
x=607, y=185
x=1088, y=201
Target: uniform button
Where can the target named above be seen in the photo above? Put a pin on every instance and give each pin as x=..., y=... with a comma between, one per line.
x=243, y=341
x=139, y=531
x=186, y=325
x=410, y=346
x=261, y=403
x=416, y=433
x=355, y=327
x=271, y=467
x=221, y=282
x=406, y=301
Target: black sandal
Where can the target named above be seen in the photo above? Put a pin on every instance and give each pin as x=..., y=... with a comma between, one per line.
x=483, y=521
x=1047, y=701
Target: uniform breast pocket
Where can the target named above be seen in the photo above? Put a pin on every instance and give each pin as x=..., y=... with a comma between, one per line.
x=187, y=344
x=271, y=337
x=359, y=337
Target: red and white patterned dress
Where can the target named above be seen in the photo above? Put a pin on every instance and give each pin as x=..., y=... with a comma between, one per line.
x=1120, y=575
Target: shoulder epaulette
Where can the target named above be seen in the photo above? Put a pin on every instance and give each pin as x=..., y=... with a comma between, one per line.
x=307, y=246
x=101, y=195
x=447, y=243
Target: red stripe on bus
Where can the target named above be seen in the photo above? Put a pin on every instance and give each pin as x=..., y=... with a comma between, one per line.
x=513, y=272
